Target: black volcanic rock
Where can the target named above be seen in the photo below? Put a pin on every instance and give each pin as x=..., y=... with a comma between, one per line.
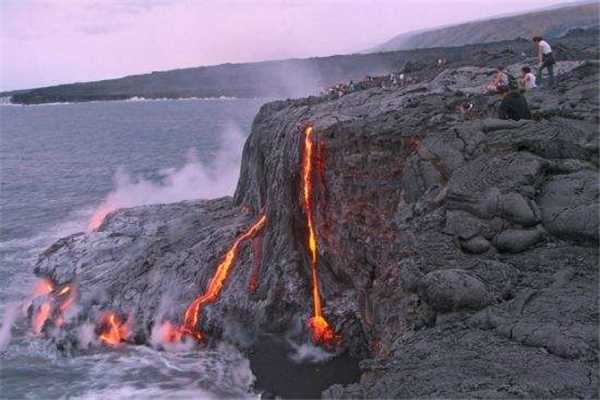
x=458, y=253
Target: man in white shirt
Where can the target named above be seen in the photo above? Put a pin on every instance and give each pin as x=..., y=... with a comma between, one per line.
x=546, y=59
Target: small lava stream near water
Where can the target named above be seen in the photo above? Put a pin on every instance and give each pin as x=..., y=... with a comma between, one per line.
x=48, y=188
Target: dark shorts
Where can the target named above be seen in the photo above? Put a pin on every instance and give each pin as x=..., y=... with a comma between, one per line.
x=548, y=59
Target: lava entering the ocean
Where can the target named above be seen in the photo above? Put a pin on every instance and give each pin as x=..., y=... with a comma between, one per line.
x=99, y=215
x=321, y=330
x=39, y=319
x=192, y=313
x=43, y=287
x=65, y=298
x=114, y=330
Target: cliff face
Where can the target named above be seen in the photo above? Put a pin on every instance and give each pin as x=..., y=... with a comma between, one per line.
x=457, y=252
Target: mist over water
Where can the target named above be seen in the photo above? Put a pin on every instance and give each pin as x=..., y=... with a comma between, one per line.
x=193, y=180
x=60, y=165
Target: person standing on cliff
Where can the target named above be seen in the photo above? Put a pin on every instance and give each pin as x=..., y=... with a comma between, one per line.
x=546, y=59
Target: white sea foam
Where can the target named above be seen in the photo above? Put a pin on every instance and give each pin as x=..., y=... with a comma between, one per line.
x=220, y=98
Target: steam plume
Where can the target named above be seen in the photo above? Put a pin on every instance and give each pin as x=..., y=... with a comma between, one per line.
x=194, y=180
x=10, y=315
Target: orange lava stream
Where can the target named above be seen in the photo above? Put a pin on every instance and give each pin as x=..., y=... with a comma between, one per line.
x=43, y=287
x=40, y=318
x=99, y=215
x=322, y=332
x=191, y=316
x=116, y=330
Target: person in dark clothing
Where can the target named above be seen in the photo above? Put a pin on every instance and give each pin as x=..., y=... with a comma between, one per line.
x=513, y=106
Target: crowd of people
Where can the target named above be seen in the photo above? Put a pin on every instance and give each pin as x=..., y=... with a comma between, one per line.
x=393, y=80
x=511, y=89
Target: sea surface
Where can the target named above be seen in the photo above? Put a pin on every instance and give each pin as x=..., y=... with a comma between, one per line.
x=59, y=164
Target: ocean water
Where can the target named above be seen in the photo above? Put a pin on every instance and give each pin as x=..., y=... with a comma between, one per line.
x=59, y=165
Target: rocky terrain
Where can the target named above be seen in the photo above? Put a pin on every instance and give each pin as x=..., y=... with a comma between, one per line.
x=458, y=253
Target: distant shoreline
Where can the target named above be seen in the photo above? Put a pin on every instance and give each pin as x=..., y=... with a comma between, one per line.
x=134, y=99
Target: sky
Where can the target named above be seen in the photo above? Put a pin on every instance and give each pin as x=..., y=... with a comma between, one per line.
x=46, y=42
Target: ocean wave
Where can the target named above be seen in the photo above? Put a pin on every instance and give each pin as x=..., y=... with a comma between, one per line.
x=220, y=98
x=131, y=99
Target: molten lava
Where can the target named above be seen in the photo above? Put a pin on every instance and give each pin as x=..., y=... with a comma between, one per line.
x=114, y=330
x=64, y=290
x=170, y=333
x=99, y=216
x=191, y=316
x=42, y=287
x=321, y=331
x=40, y=317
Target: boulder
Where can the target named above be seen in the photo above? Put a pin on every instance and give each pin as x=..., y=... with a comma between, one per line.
x=569, y=205
x=453, y=290
x=516, y=240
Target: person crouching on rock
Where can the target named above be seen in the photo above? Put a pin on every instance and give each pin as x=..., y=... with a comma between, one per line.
x=546, y=59
x=513, y=105
x=500, y=81
x=527, y=79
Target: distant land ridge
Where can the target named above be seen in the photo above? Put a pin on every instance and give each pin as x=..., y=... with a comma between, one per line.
x=551, y=22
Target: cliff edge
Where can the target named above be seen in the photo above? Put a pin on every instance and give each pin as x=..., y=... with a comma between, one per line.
x=457, y=253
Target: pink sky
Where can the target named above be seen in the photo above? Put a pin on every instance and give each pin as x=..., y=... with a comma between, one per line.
x=45, y=42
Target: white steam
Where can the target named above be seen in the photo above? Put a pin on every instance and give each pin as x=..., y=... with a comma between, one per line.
x=11, y=313
x=194, y=180
x=86, y=335
x=308, y=353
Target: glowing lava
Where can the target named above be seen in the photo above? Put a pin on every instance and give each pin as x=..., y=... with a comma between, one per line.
x=191, y=316
x=114, y=330
x=321, y=331
x=64, y=306
x=99, y=216
x=42, y=287
x=170, y=333
x=39, y=319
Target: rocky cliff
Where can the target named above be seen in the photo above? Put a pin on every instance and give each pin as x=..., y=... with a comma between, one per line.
x=457, y=253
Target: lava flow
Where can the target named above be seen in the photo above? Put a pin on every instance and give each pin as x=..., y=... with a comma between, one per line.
x=39, y=319
x=191, y=316
x=43, y=287
x=99, y=215
x=65, y=297
x=321, y=331
x=114, y=330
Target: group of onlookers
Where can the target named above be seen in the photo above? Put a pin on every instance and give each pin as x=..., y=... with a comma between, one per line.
x=514, y=105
